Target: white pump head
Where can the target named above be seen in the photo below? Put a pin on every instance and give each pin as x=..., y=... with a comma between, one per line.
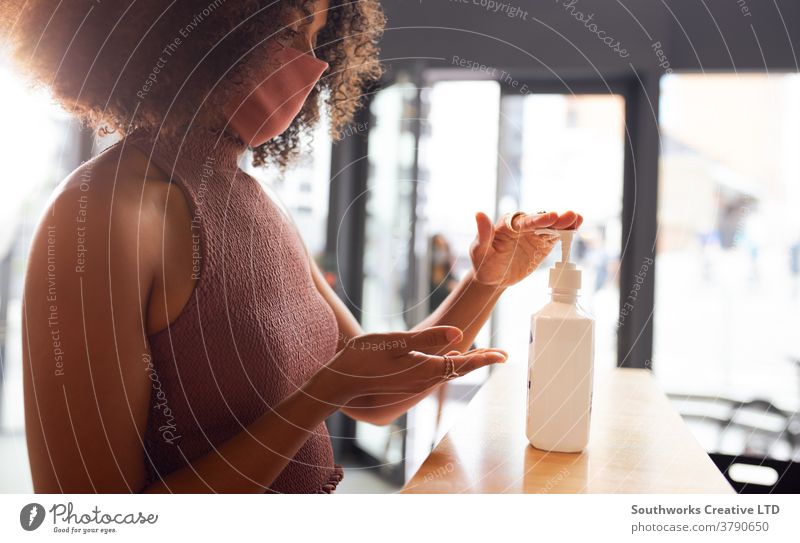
x=565, y=277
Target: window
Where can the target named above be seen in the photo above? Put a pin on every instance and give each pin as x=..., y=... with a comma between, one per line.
x=458, y=160
x=728, y=254
x=37, y=150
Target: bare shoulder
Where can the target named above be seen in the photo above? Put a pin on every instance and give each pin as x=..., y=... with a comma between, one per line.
x=92, y=266
x=117, y=179
x=118, y=198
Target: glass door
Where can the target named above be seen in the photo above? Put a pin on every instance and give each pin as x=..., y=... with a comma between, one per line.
x=560, y=152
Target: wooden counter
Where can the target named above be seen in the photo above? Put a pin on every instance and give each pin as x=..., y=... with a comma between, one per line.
x=638, y=443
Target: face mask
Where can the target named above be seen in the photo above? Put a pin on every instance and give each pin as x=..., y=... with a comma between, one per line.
x=268, y=109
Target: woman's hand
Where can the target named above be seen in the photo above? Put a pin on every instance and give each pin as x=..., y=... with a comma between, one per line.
x=504, y=253
x=401, y=362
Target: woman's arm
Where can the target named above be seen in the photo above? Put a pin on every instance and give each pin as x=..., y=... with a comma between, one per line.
x=467, y=307
x=502, y=254
x=251, y=460
x=85, y=352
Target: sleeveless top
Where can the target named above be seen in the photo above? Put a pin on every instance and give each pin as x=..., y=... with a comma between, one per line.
x=255, y=328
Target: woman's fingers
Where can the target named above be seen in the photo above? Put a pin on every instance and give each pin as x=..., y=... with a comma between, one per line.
x=485, y=228
x=479, y=351
x=576, y=223
x=527, y=223
x=434, y=339
x=566, y=221
x=483, y=242
x=467, y=362
x=435, y=366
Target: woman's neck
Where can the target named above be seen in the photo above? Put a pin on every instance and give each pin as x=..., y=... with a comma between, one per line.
x=200, y=142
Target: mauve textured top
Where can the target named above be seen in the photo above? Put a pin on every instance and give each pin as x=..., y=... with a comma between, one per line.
x=255, y=328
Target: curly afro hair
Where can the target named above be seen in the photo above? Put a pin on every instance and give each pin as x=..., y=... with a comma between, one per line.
x=120, y=66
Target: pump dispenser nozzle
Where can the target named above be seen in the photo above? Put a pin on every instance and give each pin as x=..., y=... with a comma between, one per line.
x=565, y=277
x=566, y=240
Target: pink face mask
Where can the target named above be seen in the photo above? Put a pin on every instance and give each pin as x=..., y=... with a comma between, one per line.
x=267, y=110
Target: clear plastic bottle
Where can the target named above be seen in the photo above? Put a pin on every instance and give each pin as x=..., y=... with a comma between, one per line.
x=561, y=362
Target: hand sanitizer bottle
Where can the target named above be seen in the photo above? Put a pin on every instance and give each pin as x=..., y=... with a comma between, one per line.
x=561, y=362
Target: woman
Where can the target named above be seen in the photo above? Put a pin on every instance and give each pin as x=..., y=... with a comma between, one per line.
x=441, y=281
x=177, y=337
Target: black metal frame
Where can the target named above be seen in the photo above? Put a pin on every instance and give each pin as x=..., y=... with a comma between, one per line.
x=639, y=219
x=346, y=220
x=347, y=213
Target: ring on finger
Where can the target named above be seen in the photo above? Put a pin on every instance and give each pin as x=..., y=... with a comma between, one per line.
x=449, y=368
x=510, y=220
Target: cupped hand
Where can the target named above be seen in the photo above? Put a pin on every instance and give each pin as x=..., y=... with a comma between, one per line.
x=505, y=253
x=404, y=362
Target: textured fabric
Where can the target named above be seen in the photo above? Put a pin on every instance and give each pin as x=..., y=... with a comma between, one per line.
x=255, y=327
